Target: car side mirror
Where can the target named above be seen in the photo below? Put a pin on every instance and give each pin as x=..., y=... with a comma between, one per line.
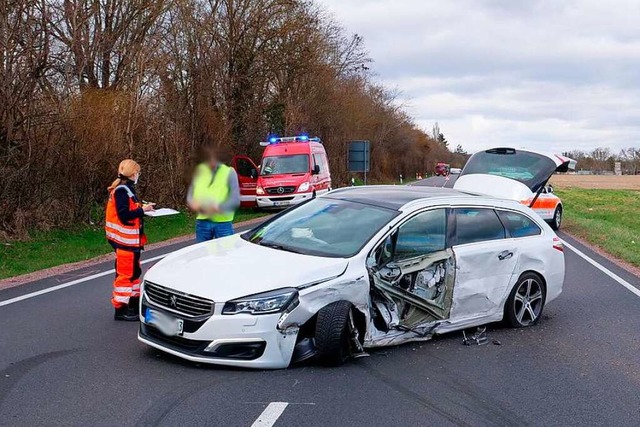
x=253, y=174
x=316, y=170
x=549, y=189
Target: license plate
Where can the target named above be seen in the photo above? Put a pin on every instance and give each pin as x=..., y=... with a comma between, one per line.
x=166, y=324
x=285, y=203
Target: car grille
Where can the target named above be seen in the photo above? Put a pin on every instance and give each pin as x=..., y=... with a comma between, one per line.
x=276, y=190
x=281, y=199
x=188, y=305
x=175, y=343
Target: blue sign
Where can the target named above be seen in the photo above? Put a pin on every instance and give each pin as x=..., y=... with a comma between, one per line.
x=359, y=158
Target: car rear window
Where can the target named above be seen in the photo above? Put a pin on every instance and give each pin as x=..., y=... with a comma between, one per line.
x=477, y=225
x=519, y=225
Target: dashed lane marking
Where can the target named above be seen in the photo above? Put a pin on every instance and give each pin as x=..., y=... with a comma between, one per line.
x=270, y=415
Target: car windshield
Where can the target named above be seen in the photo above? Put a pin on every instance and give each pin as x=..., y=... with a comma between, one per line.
x=275, y=165
x=531, y=169
x=323, y=227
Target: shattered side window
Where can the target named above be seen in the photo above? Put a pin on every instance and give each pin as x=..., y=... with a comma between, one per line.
x=423, y=234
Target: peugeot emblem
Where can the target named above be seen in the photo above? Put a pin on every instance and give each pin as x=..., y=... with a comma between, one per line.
x=280, y=190
x=173, y=301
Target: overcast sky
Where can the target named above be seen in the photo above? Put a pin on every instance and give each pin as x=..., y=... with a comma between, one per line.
x=546, y=74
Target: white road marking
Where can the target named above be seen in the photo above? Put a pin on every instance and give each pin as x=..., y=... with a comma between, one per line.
x=72, y=283
x=270, y=415
x=602, y=268
x=76, y=282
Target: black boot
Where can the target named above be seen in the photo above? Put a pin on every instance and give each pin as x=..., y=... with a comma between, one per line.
x=134, y=306
x=122, y=313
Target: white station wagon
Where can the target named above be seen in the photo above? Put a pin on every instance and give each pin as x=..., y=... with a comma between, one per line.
x=354, y=269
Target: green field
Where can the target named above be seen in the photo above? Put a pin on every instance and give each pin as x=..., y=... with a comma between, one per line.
x=57, y=247
x=609, y=219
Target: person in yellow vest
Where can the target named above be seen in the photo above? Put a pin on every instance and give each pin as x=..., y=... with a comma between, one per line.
x=124, y=227
x=214, y=195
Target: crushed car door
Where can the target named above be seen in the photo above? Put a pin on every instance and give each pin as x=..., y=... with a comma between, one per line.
x=413, y=274
x=486, y=261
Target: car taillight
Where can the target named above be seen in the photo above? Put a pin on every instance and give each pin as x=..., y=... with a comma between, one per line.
x=557, y=244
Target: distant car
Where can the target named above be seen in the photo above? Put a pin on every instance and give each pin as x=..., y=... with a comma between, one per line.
x=455, y=171
x=442, y=169
x=519, y=175
x=356, y=268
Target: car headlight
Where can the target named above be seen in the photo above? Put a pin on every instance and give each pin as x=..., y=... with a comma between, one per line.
x=265, y=303
x=259, y=190
x=304, y=187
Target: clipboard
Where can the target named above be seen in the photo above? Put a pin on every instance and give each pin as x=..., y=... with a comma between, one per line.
x=162, y=212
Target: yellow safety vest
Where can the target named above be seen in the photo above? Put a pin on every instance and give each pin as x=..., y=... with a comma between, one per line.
x=212, y=189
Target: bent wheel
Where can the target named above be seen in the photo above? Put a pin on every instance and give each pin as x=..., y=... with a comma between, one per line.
x=526, y=301
x=333, y=333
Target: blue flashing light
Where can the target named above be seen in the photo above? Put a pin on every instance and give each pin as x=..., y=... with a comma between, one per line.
x=303, y=137
x=273, y=140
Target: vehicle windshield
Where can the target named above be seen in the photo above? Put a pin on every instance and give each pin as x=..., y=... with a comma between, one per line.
x=531, y=169
x=323, y=227
x=276, y=165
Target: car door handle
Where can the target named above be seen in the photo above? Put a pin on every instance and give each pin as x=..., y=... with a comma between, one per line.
x=505, y=255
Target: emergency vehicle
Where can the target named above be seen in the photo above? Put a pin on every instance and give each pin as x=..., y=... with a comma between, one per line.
x=293, y=169
x=247, y=172
x=519, y=174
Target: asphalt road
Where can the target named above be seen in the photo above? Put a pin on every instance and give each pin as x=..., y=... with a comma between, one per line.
x=64, y=361
x=437, y=181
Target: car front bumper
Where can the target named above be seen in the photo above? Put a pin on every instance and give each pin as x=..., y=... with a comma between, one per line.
x=271, y=201
x=241, y=340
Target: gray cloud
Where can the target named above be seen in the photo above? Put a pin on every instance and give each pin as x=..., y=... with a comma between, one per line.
x=546, y=74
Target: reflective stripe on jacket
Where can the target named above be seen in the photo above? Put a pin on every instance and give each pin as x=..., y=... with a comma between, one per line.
x=208, y=188
x=123, y=235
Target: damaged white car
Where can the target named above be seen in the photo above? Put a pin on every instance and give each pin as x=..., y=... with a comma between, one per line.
x=357, y=268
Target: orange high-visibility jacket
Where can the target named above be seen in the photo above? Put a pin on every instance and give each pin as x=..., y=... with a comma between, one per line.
x=123, y=235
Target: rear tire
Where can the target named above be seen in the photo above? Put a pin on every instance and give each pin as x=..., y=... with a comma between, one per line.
x=332, y=333
x=526, y=301
x=556, y=222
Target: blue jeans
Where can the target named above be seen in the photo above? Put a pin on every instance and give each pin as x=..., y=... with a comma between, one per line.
x=209, y=230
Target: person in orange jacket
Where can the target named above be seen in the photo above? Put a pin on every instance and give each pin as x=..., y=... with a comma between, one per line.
x=124, y=227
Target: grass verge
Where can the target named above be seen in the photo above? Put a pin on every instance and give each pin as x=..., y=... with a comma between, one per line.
x=57, y=247
x=609, y=219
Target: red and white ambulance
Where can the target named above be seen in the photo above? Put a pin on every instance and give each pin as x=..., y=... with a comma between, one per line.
x=293, y=169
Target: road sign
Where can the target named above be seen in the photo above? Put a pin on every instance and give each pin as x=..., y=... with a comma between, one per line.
x=358, y=157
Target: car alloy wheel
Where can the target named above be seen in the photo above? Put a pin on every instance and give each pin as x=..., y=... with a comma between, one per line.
x=557, y=218
x=526, y=301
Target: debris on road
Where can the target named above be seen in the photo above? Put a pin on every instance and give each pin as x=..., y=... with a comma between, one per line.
x=479, y=338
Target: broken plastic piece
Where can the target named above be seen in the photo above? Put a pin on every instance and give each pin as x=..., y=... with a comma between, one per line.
x=479, y=338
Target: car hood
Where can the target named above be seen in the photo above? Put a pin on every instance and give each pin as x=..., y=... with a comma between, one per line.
x=269, y=181
x=230, y=268
x=509, y=173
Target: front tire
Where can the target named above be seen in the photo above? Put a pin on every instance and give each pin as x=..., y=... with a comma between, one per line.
x=556, y=222
x=333, y=333
x=526, y=301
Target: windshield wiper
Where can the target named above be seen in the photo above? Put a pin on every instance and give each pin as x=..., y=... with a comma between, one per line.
x=278, y=247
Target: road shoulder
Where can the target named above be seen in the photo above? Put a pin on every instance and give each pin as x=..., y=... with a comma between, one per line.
x=64, y=269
